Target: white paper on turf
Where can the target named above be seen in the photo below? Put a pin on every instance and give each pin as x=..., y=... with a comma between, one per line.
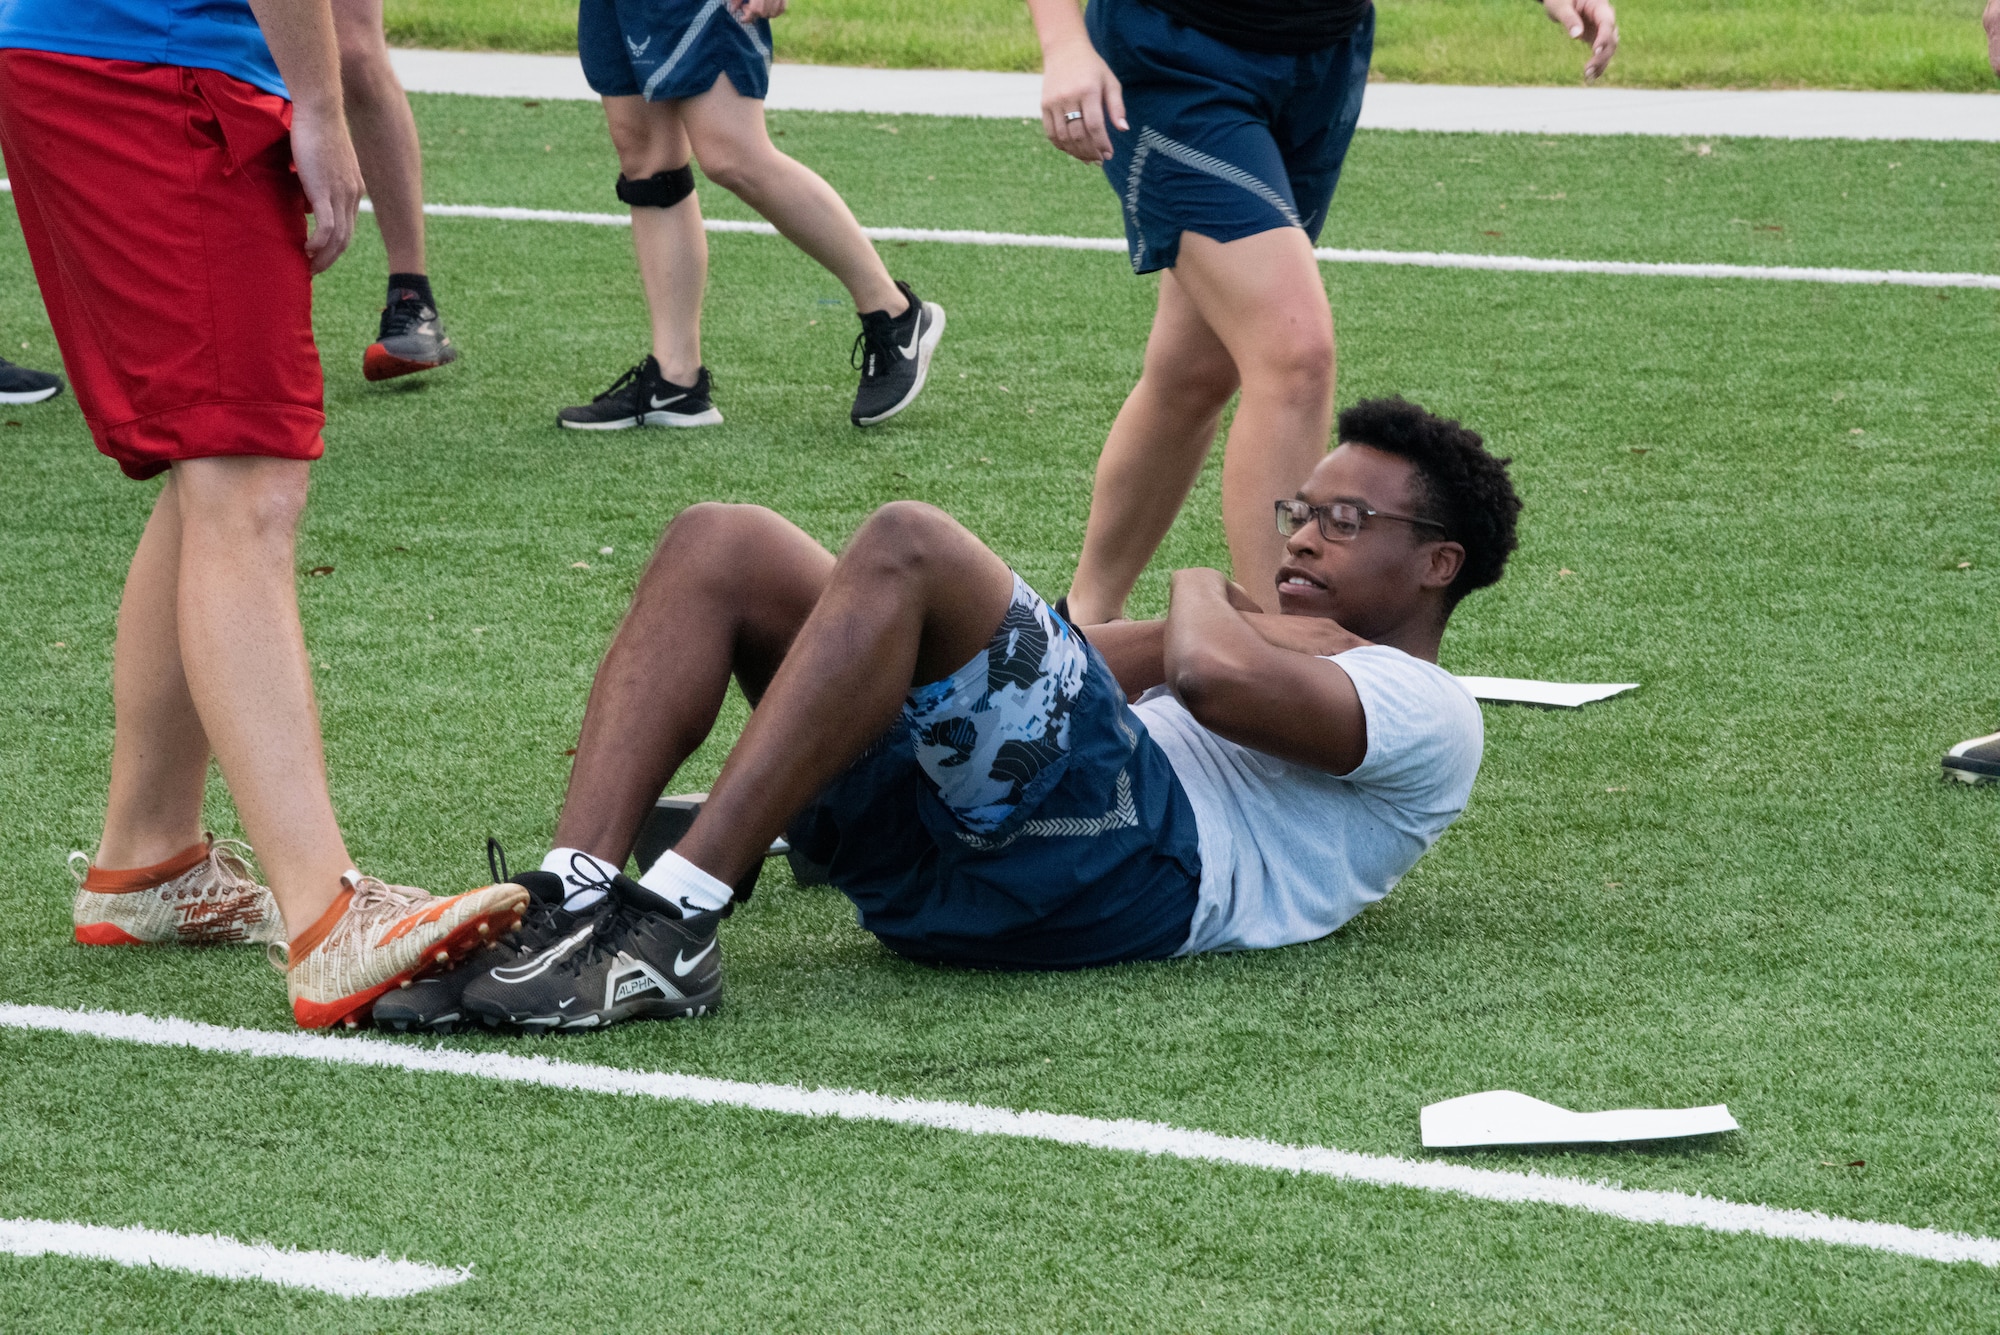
x=1564, y=695
x=1503, y=1117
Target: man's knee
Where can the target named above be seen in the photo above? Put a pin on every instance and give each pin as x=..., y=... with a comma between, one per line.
x=904, y=538
x=715, y=533
x=242, y=501
x=1299, y=365
x=1192, y=387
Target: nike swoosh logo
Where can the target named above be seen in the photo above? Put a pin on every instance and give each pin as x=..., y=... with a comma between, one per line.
x=684, y=966
x=565, y=1003
x=521, y=973
x=916, y=332
x=661, y=403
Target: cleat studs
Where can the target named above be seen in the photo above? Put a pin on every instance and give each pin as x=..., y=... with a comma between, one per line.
x=444, y=957
x=405, y=984
x=351, y=1022
x=485, y=930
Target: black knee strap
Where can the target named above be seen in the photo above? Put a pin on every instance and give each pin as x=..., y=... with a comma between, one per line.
x=662, y=190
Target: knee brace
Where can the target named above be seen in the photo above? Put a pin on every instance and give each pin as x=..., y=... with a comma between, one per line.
x=662, y=190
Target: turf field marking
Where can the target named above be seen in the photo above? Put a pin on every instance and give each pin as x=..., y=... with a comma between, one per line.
x=1676, y=1208
x=210, y=1254
x=1421, y=259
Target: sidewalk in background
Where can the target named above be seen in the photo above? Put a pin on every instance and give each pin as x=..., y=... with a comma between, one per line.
x=1389, y=106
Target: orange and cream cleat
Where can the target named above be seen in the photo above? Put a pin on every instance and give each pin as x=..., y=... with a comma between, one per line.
x=377, y=936
x=203, y=896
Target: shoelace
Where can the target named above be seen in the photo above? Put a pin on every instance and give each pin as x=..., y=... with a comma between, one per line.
x=631, y=377
x=874, y=347
x=401, y=316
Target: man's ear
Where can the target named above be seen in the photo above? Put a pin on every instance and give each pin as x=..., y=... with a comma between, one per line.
x=1446, y=559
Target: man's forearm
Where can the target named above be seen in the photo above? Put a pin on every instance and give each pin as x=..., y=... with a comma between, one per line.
x=300, y=35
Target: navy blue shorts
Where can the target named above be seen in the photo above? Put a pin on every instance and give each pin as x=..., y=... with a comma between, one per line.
x=664, y=49
x=1224, y=142
x=1072, y=845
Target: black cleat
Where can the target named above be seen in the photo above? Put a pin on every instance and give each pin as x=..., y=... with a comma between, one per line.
x=893, y=354
x=638, y=959
x=412, y=339
x=643, y=397
x=436, y=1004
x=18, y=384
x=1975, y=761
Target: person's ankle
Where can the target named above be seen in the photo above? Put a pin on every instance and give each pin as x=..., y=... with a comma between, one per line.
x=142, y=852
x=679, y=372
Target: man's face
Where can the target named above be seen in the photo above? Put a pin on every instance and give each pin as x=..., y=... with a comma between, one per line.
x=1390, y=570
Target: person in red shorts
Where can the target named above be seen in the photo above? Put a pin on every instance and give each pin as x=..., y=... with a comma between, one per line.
x=163, y=155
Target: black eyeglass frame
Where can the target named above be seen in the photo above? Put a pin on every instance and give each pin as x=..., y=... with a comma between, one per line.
x=1297, y=512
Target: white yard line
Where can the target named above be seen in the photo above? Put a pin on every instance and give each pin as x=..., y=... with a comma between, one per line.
x=1423, y=259
x=336, y=1273
x=1126, y=1136
x=1387, y=106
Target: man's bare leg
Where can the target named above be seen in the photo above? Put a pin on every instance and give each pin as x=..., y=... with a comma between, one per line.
x=726, y=591
x=912, y=599
x=1153, y=455
x=159, y=752
x=671, y=244
x=384, y=132
x=735, y=151
x=247, y=673
x=1262, y=299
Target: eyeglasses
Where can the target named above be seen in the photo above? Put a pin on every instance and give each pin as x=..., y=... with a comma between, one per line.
x=1339, y=521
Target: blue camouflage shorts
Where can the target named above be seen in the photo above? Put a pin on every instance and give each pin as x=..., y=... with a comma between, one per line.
x=1017, y=816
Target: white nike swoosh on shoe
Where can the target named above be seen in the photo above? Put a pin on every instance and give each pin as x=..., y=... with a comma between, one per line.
x=683, y=965
x=916, y=337
x=661, y=403
x=521, y=973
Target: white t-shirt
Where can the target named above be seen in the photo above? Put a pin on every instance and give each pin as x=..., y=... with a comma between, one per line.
x=1289, y=853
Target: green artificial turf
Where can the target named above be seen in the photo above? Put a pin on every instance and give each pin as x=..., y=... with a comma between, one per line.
x=1924, y=44
x=1771, y=504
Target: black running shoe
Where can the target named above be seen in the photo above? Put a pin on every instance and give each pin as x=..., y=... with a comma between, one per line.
x=643, y=397
x=1974, y=761
x=893, y=354
x=412, y=339
x=638, y=960
x=18, y=384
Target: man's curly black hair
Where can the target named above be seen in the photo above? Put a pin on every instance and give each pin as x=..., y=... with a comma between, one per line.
x=1464, y=488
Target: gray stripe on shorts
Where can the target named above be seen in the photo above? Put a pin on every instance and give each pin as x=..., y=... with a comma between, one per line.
x=1151, y=140
x=687, y=40
x=1122, y=814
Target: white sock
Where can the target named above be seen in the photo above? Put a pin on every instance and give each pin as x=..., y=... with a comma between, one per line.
x=679, y=882
x=584, y=876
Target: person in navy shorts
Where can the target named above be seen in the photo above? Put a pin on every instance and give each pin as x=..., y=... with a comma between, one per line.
x=687, y=78
x=1221, y=126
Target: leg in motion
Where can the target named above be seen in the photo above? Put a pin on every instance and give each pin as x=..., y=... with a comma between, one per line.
x=670, y=387
x=899, y=332
x=1264, y=299
x=1153, y=455
x=412, y=336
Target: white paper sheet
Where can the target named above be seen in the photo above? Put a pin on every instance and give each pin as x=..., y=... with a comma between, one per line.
x=1503, y=1117
x=1562, y=695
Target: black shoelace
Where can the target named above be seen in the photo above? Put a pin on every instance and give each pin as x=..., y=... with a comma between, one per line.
x=874, y=350
x=636, y=375
x=403, y=315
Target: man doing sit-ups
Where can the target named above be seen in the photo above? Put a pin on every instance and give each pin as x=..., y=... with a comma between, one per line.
x=966, y=765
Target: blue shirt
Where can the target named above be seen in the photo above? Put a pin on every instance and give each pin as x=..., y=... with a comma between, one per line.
x=201, y=34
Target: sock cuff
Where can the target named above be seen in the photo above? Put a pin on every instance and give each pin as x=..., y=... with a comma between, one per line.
x=309, y=940
x=126, y=880
x=679, y=882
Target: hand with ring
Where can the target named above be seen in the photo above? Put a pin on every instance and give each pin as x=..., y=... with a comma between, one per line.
x=1081, y=98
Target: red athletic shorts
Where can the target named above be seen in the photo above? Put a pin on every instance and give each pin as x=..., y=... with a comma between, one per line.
x=167, y=229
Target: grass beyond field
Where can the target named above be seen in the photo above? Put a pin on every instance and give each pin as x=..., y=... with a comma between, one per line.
x=1772, y=504
x=1931, y=44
